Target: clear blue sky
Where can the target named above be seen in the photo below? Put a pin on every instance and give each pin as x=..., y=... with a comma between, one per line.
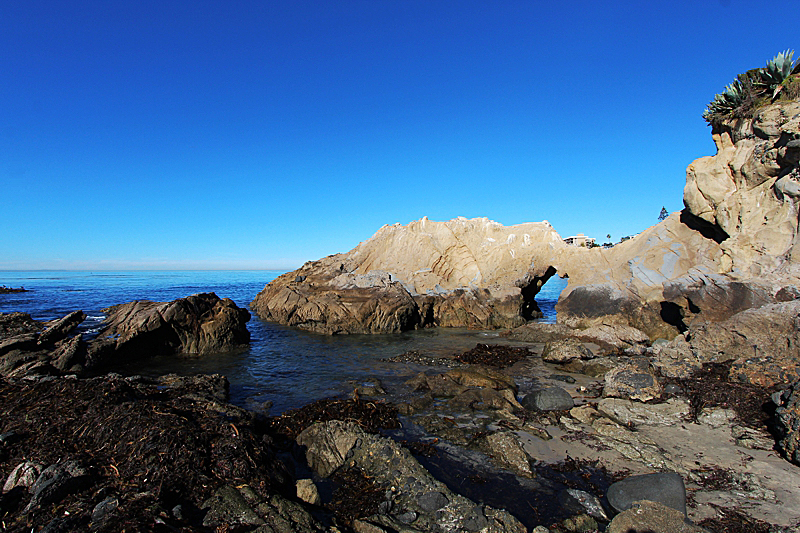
x=260, y=134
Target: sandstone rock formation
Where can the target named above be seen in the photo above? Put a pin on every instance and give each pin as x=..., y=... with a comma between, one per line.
x=198, y=324
x=466, y=273
x=732, y=248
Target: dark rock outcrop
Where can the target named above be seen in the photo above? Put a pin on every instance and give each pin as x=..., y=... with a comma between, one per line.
x=59, y=329
x=787, y=421
x=198, y=324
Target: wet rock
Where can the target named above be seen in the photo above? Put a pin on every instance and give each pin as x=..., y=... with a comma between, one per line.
x=420, y=500
x=307, y=491
x=666, y=488
x=580, y=501
x=787, y=421
x=562, y=377
x=198, y=324
x=566, y=350
x=103, y=511
x=228, y=506
x=57, y=481
x=432, y=501
x=59, y=329
x=24, y=475
x=631, y=381
x=505, y=449
x=582, y=523
x=669, y=413
x=548, y=399
x=651, y=517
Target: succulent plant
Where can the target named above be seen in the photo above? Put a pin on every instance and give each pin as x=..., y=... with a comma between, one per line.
x=739, y=98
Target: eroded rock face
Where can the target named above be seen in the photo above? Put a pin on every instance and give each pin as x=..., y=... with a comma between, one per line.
x=460, y=273
x=733, y=248
x=199, y=324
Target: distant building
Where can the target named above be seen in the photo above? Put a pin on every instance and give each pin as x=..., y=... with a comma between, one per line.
x=580, y=240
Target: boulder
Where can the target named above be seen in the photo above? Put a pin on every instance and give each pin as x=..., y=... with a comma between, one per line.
x=564, y=351
x=13, y=324
x=666, y=488
x=196, y=325
x=459, y=273
x=548, y=399
x=631, y=381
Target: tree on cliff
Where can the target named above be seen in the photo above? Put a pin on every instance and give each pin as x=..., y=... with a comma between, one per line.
x=663, y=214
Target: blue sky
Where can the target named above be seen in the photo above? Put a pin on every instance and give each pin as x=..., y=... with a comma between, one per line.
x=170, y=134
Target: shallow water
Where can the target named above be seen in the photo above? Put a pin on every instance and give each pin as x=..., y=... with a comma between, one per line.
x=282, y=365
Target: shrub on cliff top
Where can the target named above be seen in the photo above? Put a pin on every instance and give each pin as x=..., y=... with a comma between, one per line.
x=779, y=79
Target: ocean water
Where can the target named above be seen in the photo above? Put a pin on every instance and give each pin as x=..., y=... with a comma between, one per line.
x=284, y=367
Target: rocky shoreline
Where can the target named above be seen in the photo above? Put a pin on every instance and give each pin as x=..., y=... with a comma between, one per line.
x=537, y=436
x=666, y=399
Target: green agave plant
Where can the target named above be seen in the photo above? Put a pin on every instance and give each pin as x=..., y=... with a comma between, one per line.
x=753, y=84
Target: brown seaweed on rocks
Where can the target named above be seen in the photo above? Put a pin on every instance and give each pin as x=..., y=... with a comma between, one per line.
x=493, y=355
x=150, y=447
x=370, y=415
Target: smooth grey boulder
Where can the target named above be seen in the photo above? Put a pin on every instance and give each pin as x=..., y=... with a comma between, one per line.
x=666, y=488
x=548, y=399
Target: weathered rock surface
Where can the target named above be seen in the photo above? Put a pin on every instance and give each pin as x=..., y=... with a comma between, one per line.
x=467, y=273
x=763, y=344
x=198, y=324
x=59, y=329
x=631, y=381
x=651, y=517
x=417, y=499
x=787, y=421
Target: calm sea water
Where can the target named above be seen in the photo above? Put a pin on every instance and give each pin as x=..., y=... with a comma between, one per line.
x=283, y=365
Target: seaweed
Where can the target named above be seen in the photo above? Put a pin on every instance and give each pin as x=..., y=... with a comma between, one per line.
x=370, y=415
x=493, y=355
